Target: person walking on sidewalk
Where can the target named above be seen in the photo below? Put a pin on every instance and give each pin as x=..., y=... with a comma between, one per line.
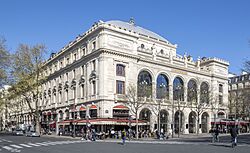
x=216, y=133
x=123, y=137
x=234, y=134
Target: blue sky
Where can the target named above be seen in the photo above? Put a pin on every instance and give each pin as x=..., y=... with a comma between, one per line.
x=212, y=28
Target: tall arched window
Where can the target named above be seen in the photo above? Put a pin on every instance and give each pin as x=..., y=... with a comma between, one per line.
x=204, y=93
x=192, y=91
x=145, y=114
x=144, y=84
x=178, y=89
x=162, y=91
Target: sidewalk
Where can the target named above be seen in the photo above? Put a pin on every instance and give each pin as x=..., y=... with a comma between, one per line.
x=182, y=136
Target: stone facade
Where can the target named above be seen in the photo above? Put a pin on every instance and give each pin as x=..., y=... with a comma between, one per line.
x=92, y=74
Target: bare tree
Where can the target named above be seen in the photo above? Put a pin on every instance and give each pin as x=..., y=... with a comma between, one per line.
x=27, y=70
x=205, y=102
x=246, y=66
x=134, y=103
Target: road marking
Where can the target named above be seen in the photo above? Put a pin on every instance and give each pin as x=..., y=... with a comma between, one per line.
x=1, y=140
x=33, y=144
x=25, y=145
x=7, y=148
x=43, y=144
x=16, y=146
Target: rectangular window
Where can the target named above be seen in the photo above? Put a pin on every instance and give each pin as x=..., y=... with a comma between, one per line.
x=120, y=70
x=74, y=74
x=60, y=97
x=94, y=45
x=94, y=87
x=120, y=87
x=82, y=91
x=82, y=72
x=220, y=88
x=68, y=60
x=220, y=99
x=75, y=57
x=74, y=93
x=93, y=65
x=67, y=77
x=66, y=95
x=61, y=64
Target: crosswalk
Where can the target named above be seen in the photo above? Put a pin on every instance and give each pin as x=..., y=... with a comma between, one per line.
x=18, y=147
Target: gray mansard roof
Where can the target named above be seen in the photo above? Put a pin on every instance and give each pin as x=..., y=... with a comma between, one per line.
x=136, y=29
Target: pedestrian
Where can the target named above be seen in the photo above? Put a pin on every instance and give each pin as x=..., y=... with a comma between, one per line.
x=93, y=135
x=123, y=137
x=216, y=133
x=234, y=135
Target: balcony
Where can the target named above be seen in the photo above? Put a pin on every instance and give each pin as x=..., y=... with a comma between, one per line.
x=120, y=97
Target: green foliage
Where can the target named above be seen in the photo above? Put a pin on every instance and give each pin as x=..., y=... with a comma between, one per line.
x=4, y=61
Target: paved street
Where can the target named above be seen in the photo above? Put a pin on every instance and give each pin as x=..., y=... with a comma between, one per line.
x=9, y=143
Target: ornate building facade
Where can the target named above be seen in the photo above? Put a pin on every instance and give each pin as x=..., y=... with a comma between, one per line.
x=239, y=100
x=88, y=80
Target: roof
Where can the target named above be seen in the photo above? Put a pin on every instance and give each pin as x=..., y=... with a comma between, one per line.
x=136, y=29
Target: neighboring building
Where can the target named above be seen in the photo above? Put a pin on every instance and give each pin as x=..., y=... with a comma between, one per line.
x=239, y=100
x=88, y=80
x=4, y=110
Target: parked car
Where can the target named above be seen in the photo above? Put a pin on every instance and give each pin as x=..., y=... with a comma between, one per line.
x=18, y=132
x=32, y=134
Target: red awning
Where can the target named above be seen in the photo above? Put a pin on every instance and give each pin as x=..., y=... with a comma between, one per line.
x=82, y=108
x=103, y=121
x=93, y=107
x=120, y=107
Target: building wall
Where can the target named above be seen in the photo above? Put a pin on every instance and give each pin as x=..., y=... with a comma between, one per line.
x=94, y=56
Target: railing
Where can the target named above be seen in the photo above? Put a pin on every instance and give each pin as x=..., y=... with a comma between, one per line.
x=120, y=97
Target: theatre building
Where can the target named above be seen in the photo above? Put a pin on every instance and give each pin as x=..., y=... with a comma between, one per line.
x=89, y=77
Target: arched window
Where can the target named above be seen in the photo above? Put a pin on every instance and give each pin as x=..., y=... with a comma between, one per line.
x=204, y=95
x=192, y=91
x=162, y=91
x=178, y=89
x=145, y=114
x=144, y=84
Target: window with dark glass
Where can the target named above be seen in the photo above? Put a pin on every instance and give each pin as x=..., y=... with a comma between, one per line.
x=67, y=114
x=120, y=113
x=94, y=45
x=120, y=87
x=82, y=114
x=220, y=88
x=220, y=99
x=93, y=113
x=120, y=70
x=94, y=87
x=178, y=89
